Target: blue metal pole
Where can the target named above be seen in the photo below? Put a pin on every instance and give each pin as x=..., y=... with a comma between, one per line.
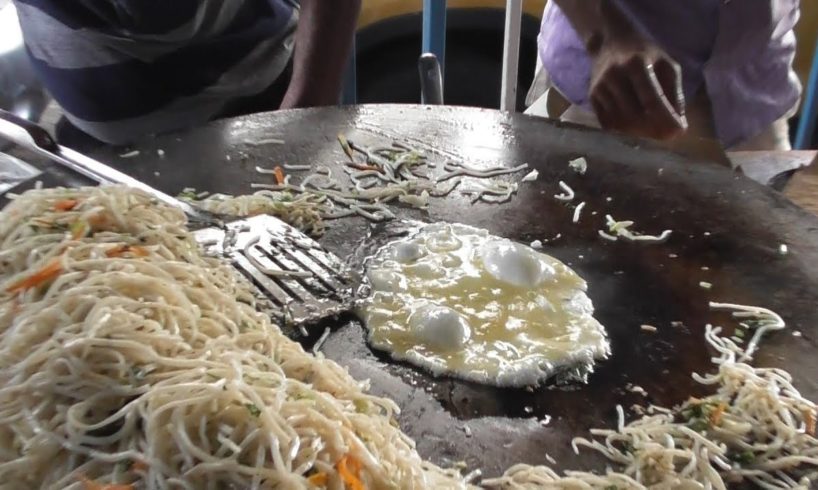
x=434, y=29
x=349, y=93
x=809, y=111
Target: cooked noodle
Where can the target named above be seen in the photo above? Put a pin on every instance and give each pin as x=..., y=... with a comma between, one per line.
x=756, y=427
x=387, y=175
x=127, y=357
x=304, y=211
x=621, y=229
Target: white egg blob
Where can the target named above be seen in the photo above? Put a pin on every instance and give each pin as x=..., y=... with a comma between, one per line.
x=407, y=252
x=386, y=280
x=514, y=263
x=451, y=261
x=439, y=327
x=443, y=241
x=425, y=270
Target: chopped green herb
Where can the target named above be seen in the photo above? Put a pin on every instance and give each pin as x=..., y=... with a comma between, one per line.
x=303, y=396
x=345, y=146
x=187, y=194
x=79, y=229
x=753, y=323
x=700, y=410
x=739, y=333
x=744, y=457
x=691, y=412
x=138, y=373
x=627, y=447
x=254, y=410
x=124, y=466
x=361, y=406
x=699, y=425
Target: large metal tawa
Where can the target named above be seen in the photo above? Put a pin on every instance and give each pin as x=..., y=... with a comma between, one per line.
x=726, y=231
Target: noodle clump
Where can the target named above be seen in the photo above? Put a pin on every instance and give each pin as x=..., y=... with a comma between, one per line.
x=129, y=358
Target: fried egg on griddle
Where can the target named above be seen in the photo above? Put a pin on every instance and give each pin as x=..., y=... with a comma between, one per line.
x=456, y=300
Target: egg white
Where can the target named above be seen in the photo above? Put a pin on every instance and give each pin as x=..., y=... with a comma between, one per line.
x=457, y=300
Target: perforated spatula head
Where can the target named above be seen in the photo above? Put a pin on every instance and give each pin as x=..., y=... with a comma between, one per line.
x=300, y=278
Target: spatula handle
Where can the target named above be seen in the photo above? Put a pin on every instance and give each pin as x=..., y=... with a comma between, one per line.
x=36, y=139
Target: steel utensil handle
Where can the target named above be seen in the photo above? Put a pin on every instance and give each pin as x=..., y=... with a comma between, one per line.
x=35, y=138
x=431, y=80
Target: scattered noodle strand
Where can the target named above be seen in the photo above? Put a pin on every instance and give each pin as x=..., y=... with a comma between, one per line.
x=756, y=427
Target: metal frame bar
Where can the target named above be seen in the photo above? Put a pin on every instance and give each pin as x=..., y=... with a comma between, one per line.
x=434, y=41
x=434, y=30
x=809, y=111
x=511, y=55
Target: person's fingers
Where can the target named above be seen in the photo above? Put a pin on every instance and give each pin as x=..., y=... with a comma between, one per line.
x=678, y=123
x=630, y=111
x=663, y=121
x=669, y=75
x=603, y=108
x=618, y=107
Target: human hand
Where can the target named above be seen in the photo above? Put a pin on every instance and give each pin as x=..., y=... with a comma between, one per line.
x=636, y=88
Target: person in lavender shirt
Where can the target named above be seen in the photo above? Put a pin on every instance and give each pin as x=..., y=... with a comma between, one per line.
x=669, y=68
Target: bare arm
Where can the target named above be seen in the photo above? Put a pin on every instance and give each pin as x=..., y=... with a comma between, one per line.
x=635, y=85
x=323, y=41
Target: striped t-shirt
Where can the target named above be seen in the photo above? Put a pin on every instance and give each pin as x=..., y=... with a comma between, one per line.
x=124, y=68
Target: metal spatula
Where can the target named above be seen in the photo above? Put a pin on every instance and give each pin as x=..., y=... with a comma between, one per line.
x=304, y=282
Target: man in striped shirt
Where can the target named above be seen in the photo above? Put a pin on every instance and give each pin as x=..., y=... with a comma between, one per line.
x=121, y=69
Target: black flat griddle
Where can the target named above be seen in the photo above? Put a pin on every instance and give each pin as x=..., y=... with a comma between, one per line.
x=721, y=221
